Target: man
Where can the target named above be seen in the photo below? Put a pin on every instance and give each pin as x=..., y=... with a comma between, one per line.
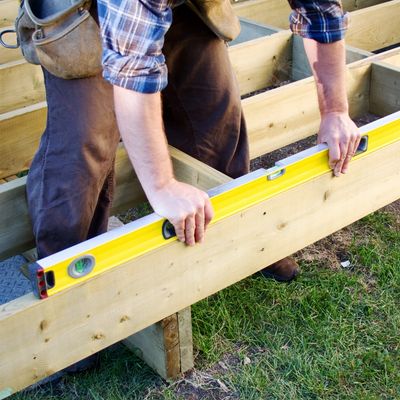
x=133, y=36
x=202, y=116
x=71, y=180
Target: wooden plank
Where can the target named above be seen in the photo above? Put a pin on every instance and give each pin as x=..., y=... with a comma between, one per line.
x=8, y=12
x=375, y=27
x=289, y=113
x=124, y=300
x=20, y=132
x=272, y=12
x=15, y=228
x=385, y=89
x=262, y=62
x=21, y=85
x=352, y=5
x=154, y=345
x=8, y=55
x=276, y=12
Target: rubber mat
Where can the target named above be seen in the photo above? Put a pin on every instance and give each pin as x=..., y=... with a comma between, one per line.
x=13, y=283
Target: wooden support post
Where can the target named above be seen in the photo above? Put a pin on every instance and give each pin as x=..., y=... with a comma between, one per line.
x=124, y=300
x=166, y=346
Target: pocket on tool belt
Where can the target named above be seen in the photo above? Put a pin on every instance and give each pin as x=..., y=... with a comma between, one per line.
x=66, y=40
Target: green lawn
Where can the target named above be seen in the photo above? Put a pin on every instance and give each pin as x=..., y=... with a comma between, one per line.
x=331, y=334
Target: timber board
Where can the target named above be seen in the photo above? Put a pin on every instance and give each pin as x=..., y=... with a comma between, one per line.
x=124, y=300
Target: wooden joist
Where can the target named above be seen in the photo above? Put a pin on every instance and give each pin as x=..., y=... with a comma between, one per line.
x=276, y=12
x=375, y=27
x=53, y=333
x=8, y=12
x=20, y=132
x=9, y=55
x=15, y=229
x=21, y=129
x=21, y=85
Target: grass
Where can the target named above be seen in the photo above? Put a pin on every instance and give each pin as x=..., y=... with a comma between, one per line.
x=331, y=334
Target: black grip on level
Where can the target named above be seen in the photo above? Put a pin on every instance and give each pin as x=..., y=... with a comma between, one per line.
x=363, y=146
x=168, y=230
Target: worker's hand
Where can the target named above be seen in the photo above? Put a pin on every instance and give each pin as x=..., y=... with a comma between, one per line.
x=342, y=136
x=187, y=208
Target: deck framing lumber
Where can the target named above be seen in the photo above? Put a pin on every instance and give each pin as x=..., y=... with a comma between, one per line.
x=375, y=27
x=15, y=228
x=124, y=300
x=9, y=55
x=8, y=12
x=21, y=129
x=21, y=85
x=385, y=89
x=276, y=12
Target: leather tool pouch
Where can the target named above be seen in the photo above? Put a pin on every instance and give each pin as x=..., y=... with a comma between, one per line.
x=60, y=35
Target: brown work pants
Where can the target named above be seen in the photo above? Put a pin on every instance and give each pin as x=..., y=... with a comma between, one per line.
x=71, y=180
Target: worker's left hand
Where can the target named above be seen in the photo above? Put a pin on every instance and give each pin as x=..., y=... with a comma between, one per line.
x=342, y=136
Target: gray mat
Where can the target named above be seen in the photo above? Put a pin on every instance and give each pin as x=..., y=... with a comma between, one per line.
x=13, y=283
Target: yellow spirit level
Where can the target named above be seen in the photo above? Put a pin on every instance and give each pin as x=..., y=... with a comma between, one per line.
x=92, y=257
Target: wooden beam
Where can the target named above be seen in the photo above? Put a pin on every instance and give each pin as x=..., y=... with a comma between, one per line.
x=262, y=62
x=8, y=12
x=15, y=228
x=8, y=55
x=53, y=334
x=271, y=12
x=289, y=113
x=21, y=85
x=20, y=134
x=276, y=12
x=352, y=5
x=385, y=89
x=375, y=27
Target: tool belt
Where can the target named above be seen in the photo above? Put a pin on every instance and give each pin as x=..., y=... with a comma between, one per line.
x=64, y=38
x=60, y=35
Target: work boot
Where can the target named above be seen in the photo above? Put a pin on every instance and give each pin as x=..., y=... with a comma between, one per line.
x=284, y=270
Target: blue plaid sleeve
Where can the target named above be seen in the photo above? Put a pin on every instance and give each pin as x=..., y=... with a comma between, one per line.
x=323, y=21
x=133, y=36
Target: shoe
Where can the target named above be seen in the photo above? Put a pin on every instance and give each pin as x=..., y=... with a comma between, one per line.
x=284, y=270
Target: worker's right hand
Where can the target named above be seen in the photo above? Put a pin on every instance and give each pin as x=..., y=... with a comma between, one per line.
x=187, y=208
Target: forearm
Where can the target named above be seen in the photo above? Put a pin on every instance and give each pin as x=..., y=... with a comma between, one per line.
x=140, y=123
x=141, y=127
x=327, y=61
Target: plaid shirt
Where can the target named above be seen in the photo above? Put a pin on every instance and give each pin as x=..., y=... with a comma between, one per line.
x=133, y=36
